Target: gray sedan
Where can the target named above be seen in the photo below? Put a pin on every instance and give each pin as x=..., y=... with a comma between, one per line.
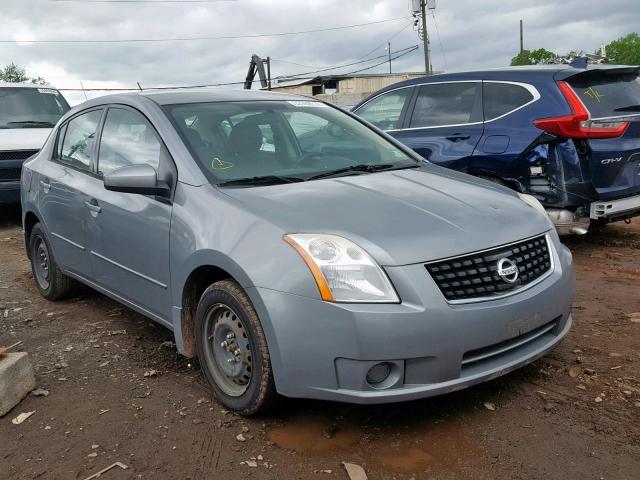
x=294, y=248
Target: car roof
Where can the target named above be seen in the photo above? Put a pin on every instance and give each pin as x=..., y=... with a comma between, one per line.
x=201, y=95
x=524, y=74
x=25, y=85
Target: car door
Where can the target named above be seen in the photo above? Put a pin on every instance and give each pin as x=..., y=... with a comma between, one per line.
x=128, y=234
x=64, y=184
x=444, y=122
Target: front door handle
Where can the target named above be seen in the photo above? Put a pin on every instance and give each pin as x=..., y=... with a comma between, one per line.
x=46, y=186
x=93, y=206
x=458, y=138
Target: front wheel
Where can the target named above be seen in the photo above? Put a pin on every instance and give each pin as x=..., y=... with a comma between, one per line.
x=51, y=282
x=232, y=349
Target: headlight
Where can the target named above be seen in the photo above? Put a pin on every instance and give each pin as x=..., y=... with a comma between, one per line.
x=343, y=271
x=532, y=201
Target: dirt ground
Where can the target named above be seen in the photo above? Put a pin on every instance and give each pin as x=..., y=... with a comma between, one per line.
x=574, y=414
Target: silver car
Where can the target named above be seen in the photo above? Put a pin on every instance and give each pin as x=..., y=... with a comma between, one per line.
x=294, y=248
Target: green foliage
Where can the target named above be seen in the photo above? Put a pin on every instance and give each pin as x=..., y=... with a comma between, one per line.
x=15, y=73
x=625, y=50
x=532, y=57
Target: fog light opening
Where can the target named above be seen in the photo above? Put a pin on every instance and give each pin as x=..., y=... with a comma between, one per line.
x=379, y=373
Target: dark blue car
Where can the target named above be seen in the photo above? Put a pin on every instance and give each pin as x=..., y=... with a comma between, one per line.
x=569, y=136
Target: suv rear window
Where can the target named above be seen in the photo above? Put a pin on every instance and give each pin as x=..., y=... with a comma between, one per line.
x=502, y=98
x=609, y=95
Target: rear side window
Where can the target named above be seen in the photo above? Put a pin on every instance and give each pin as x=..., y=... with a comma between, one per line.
x=441, y=104
x=609, y=95
x=79, y=140
x=384, y=111
x=127, y=139
x=502, y=98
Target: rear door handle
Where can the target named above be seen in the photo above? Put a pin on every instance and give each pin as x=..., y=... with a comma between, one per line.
x=45, y=186
x=93, y=206
x=457, y=138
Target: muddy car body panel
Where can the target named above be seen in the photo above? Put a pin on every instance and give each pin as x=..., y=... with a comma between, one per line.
x=150, y=251
x=502, y=125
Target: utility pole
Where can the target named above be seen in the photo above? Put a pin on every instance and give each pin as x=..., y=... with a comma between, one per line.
x=269, y=72
x=521, y=44
x=389, y=48
x=425, y=37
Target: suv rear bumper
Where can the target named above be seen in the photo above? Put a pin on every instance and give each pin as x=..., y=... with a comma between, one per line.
x=615, y=209
x=9, y=192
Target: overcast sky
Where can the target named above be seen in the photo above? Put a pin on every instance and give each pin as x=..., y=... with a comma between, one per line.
x=469, y=34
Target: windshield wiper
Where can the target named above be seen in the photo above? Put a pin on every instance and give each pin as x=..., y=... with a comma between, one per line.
x=32, y=122
x=363, y=167
x=628, y=108
x=262, y=180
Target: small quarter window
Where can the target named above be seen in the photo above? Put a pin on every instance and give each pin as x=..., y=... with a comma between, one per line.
x=384, y=111
x=442, y=104
x=502, y=98
x=127, y=139
x=79, y=140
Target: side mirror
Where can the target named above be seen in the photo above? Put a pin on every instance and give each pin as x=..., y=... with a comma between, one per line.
x=140, y=179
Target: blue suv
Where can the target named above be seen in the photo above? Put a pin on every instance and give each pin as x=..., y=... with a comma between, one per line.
x=569, y=136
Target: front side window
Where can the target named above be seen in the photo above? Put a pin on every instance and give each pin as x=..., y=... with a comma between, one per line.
x=22, y=107
x=442, y=104
x=502, y=98
x=79, y=140
x=385, y=111
x=127, y=139
x=296, y=139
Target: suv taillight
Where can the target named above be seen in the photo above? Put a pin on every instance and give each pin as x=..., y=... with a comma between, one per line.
x=578, y=124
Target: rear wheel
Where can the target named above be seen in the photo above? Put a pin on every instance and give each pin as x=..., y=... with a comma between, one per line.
x=51, y=282
x=232, y=349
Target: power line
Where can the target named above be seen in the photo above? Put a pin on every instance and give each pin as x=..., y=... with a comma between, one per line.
x=224, y=37
x=341, y=66
x=141, y=1
x=401, y=52
x=387, y=40
x=411, y=49
x=444, y=55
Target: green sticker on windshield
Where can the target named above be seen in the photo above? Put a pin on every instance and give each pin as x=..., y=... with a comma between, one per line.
x=219, y=164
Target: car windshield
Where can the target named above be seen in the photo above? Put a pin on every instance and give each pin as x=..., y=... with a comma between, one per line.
x=281, y=141
x=31, y=107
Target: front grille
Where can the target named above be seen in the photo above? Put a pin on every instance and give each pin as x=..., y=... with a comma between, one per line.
x=9, y=174
x=16, y=154
x=476, y=275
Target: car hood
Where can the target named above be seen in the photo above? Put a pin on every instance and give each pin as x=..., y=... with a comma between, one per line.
x=23, y=138
x=400, y=217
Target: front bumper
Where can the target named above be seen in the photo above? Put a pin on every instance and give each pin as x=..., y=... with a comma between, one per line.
x=323, y=350
x=613, y=210
x=10, y=192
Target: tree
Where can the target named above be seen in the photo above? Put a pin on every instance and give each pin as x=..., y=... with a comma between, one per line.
x=529, y=57
x=625, y=50
x=15, y=73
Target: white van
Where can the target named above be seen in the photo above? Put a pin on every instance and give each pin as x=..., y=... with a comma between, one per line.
x=28, y=112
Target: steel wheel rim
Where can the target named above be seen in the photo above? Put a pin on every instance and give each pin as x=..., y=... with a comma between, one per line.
x=227, y=350
x=41, y=262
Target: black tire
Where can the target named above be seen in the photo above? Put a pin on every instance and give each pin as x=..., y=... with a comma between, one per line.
x=222, y=298
x=50, y=281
